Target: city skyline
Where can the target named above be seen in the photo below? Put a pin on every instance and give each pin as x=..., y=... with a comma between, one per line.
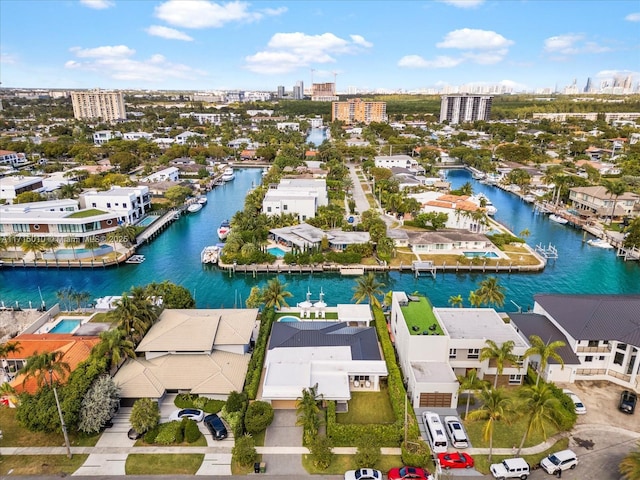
x=362, y=45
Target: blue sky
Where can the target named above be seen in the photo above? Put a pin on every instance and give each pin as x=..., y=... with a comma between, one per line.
x=209, y=45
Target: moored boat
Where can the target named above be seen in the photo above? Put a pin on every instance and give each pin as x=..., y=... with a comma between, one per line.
x=599, y=243
x=224, y=229
x=202, y=200
x=194, y=207
x=210, y=254
x=558, y=219
x=228, y=174
x=529, y=198
x=135, y=259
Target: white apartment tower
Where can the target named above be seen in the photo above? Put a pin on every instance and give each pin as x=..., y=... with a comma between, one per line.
x=96, y=104
x=465, y=108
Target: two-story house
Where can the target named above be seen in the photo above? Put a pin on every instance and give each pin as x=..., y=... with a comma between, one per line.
x=130, y=203
x=597, y=201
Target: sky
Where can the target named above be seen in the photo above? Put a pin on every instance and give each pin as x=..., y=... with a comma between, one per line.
x=202, y=45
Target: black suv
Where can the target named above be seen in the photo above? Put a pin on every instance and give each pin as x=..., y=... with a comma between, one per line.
x=216, y=426
x=628, y=401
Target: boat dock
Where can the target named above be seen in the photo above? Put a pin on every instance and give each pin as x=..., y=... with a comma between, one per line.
x=158, y=226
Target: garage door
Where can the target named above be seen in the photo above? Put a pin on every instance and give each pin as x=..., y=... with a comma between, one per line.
x=435, y=400
x=283, y=404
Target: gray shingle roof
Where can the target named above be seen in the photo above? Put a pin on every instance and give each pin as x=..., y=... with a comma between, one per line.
x=595, y=317
x=362, y=340
x=535, y=324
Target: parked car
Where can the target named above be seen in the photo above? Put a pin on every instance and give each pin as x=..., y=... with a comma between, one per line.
x=192, y=413
x=559, y=461
x=579, y=406
x=628, y=400
x=363, y=474
x=133, y=434
x=511, y=468
x=409, y=473
x=216, y=426
x=455, y=460
x=456, y=432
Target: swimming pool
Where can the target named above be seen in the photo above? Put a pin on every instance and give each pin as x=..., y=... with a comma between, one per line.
x=481, y=255
x=146, y=221
x=66, y=325
x=276, y=252
x=289, y=319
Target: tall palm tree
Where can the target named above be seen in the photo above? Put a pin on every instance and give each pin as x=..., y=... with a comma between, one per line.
x=114, y=345
x=91, y=243
x=13, y=241
x=43, y=365
x=501, y=355
x=71, y=242
x=274, y=294
x=491, y=292
x=614, y=189
x=32, y=245
x=456, y=301
x=630, y=465
x=133, y=317
x=307, y=411
x=545, y=350
x=51, y=243
x=469, y=383
x=495, y=407
x=474, y=299
x=542, y=406
x=368, y=288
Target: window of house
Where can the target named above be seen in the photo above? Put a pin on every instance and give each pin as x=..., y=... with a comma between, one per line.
x=515, y=379
x=452, y=353
x=588, y=358
x=618, y=358
x=593, y=343
x=108, y=204
x=124, y=205
x=285, y=207
x=473, y=353
x=622, y=346
x=601, y=357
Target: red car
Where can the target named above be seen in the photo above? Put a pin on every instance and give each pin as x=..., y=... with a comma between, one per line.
x=455, y=460
x=409, y=473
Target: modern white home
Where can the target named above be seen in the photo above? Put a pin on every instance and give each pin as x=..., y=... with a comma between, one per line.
x=601, y=333
x=12, y=186
x=435, y=345
x=403, y=161
x=169, y=174
x=298, y=196
x=130, y=203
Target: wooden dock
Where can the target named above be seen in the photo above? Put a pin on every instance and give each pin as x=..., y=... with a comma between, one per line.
x=159, y=225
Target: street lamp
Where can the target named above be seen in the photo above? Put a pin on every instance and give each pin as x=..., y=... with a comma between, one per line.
x=64, y=427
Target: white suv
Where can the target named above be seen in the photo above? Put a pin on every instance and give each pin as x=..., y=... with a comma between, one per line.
x=563, y=460
x=510, y=468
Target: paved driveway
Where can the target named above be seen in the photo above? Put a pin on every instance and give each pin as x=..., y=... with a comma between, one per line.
x=283, y=432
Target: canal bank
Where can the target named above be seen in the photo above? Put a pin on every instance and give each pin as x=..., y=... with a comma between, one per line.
x=175, y=256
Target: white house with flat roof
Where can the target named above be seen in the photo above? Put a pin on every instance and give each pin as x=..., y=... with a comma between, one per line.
x=402, y=161
x=12, y=186
x=133, y=136
x=298, y=196
x=103, y=136
x=435, y=345
x=130, y=203
x=170, y=174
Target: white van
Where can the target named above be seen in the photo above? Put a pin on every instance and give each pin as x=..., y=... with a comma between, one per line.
x=456, y=432
x=511, y=468
x=563, y=460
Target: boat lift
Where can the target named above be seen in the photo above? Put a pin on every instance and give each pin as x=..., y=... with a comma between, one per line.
x=549, y=252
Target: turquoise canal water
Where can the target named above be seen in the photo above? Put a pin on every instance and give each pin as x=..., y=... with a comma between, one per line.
x=175, y=255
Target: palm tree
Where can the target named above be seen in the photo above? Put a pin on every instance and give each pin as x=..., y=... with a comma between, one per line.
x=70, y=242
x=32, y=245
x=501, y=355
x=307, y=411
x=133, y=316
x=274, y=294
x=91, y=243
x=456, y=301
x=474, y=299
x=368, y=288
x=542, y=406
x=7, y=348
x=525, y=233
x=468, y=383
x=69, y=190
x=39, y=365
x=51, y=243
x=496, y=407
x=491, y=292
x=614, y=189
x=544, y=351
x=630, y=465
x=114, y=345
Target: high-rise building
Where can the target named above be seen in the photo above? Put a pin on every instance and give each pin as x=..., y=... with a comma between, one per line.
x=298, y=90
x=587, y=87
x=98, y=105
x=280, y=91
x=357, y=111
x=465, y=108
x=323, y=92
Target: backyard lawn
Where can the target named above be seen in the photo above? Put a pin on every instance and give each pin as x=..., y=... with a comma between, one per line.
x=368, y=407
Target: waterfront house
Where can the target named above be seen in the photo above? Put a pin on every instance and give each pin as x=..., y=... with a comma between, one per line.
x=170, y=174
x=12, y=186
x=403, y=161
x=134, y=136
x=130, y=203
x=201, y=351
x=186, y=138
x=601, y=333
x=451, y=241
x=103, y=136
x=434, y=345
x=596, y=201
x=307, y=236
x=298, y=196
x=13, y=159
x=334, y=356
x=463, y=211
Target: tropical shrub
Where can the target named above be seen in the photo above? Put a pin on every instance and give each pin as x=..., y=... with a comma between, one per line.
x=244, y=451
x=170, y=433
x=99, y=404
x=191, y=431
x=145, y=415
x=320, y=450
x=258, y=417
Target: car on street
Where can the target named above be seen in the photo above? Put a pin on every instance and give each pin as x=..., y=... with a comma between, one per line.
x=192, y=413
x=579, y=406
x=363, y=474
x=511, y=468
x=628, y=401
x=560, y=461
x=455, y=460
x=456, y=432
x=409, y=473
x=216, y=427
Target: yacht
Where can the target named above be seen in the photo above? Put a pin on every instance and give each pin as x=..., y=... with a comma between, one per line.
x=599, y=243
x=484, y=202
x=228, y=174
x=224, y=229
x=194, y=207
x=558, y=219
x=202, y=200
x=529, y=198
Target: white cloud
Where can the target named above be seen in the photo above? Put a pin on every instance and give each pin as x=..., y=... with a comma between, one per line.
x=207, y=14
x=169, y=33
x=463, y=3
x=117, y=63
x=490, y=57
x=98, y=4
x=572, y=44
x=286, y=52
x=416, y=61
x=7, y=59
x=633, y=17
x=472, y=39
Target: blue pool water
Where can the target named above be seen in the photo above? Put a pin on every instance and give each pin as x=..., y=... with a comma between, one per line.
x=481, y=255
x=289, y=319
x=276, y=252
x=146, y=221
x=65, y=326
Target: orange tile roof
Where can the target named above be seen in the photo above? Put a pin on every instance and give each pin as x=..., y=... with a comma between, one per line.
x=453, y=198
x=75, y=349
x=311, y=153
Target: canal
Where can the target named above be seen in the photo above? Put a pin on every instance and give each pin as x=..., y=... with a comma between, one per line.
x=175, y=256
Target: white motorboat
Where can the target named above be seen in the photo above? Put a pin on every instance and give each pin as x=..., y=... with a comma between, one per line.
x=484, y=202
x=529, y=198
x=228, y=174
x=135, y=259
x=558, y=219
x=194, y=207
x=202, y=200
x=599, y=243
x=224, y=229
x=210, y=254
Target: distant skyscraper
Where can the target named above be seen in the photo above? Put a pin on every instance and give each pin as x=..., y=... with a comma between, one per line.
x=298, y=90
x=587, y=87
x=323, y=92
x=465, y=108
x=357, y=111
x=280, y=91
x=96, y=104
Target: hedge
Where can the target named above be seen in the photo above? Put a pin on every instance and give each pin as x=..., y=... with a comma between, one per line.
x=347, y=435
x=208, y=405
x=170, y=433
x=254, y=372
x=191, y=431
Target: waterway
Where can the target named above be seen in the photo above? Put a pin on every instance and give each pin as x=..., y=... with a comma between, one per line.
x=175, y=256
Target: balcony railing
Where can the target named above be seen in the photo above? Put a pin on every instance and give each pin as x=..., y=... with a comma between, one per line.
x=600, y=349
